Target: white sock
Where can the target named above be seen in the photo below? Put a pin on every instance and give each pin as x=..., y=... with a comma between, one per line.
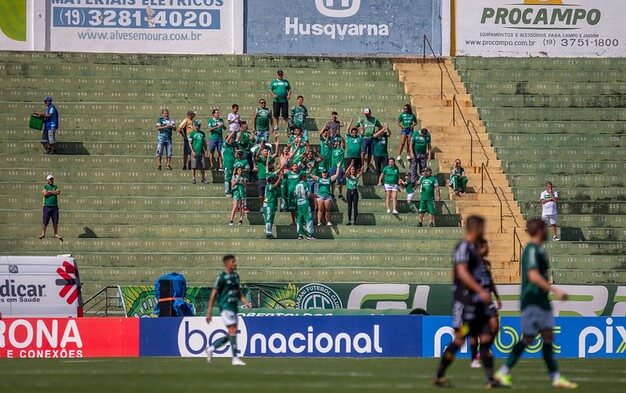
x=504, y=369
x=555, y=376
x=211, y=348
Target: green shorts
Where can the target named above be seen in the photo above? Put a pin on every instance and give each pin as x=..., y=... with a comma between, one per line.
x=427, y=206
x=239, y=193
x=290, y=203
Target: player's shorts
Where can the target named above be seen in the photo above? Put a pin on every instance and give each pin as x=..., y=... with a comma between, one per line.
x=391, y=187
x=535, y=320
x=229, y=317
x=427, y=206
x=491, y=311
x=49, y=135
x=457, y=314
x=406, y=132
x=549, y=219
x=366, y=146
x=475, y=319
x=215, y=144
x=164, y=148
x=281, y=108
x=198, y=162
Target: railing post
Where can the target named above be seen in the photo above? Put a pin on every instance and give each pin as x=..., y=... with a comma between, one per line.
x=501, y=217
x=441, y=86
x=424, y=48
x=471, y=148
x=514, y=246
x=482, y=178
x=454, y=110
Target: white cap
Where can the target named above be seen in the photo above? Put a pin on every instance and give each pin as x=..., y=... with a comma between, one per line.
x=49, y=177
x=367, y=111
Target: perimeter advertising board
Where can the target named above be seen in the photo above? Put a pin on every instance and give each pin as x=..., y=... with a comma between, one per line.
x=146, y=26
x=552, y=28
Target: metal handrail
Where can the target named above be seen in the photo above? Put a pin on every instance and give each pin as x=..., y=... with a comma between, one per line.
x=519, y=243
x=483, y=171
x=98, y=304
x=482, y=146
x=455, y=104
x=438, y=60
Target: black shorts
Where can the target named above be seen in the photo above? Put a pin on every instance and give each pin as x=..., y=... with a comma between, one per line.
x=281, y=108
x=50, y=213
x=475, y=319
x=261, y=186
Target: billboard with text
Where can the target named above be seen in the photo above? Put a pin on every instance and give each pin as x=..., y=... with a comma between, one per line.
x=551, y=28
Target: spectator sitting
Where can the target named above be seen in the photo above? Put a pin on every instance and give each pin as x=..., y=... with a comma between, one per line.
x=458, y=180
x=299, y=114
x=164, y=126
x=199, y=148
x=50, y=125
x=262, y=120
x=390, y=177
x=238, y=184
x=281, y=91
x=216, y=128
x=50, y=193
x=185, y=128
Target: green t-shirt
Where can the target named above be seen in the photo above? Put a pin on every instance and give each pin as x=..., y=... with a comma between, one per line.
x=217, y=134
x=410, y=188
x=198, y=141
x=420, y=143
x=292, y=179
x=337, y=157
x=302, y=193
x=319, y=168
x=228, y=155
x=261, y=164
x=271, y=195
x=242, y=163
x=353, y=146
x=228, y=291
x=352, y=182
x=534, y=257
x=325, y=147
x=379, y=146
x=281, y=89
x=427, y=188
x=391, y=175
x=299, y=115
x=457, y=171
x=245, y=142
x=50, y=200
x=165, y=134
x=407, y=120
x=370, y=126
x=323, y=187
x=262, y=121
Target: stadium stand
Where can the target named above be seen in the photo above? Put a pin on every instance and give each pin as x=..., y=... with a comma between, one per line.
x=562, y=120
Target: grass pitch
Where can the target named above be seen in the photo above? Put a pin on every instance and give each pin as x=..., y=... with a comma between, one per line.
x=287, y=375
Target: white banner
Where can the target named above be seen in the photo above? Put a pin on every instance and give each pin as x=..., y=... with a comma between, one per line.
x=147, y=26
x=23, y=25
x=553, y=28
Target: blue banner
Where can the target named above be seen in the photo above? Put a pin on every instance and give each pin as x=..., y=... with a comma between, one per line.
x=321, y=336
x=351, y=27
x=575, y=337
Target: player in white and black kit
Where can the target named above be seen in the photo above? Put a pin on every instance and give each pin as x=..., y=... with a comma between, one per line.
x=471, y=301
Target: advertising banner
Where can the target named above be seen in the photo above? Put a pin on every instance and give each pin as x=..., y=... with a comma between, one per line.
x=352, y=27
x=69, y=338
x=575, y=337
x=139, y=300
x=23, y=25
x=553, y=28
x=147, y=26
x=585, y=300
x=319, y=336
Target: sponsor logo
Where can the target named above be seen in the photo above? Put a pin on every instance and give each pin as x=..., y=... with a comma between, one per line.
x=318, y=296
x=195, y=335
x=42, y=338
x=69, y=283
x=544, y=15
x=338, y=8
x=593, y=340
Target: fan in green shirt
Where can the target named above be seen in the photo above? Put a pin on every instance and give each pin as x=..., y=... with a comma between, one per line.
x=390, y=177
x=228, y=158
x=353, y=145
x=407, y=122
x=241, y=162
x=50, y=193
x=272, y=192
x=304, y=219
x=299, y=114
x=281, y=89
x=198, y=142
x=428, y=185
x=368, y=125
x=262, y=118
x=216, y=126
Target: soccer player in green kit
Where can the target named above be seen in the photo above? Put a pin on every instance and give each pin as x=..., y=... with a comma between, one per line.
x=281, y=91
x=535, y=305
x=227, y=292
x=299, y=114
x=304, y=219
x=428, y=185
x=262, y=120
x=272, y=191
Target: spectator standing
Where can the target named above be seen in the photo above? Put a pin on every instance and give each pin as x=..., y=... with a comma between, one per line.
x=549, y=197
x=420, y=152
x=50, y=193
x=368, y=125
x=272, y=190
x=281, y=91
x=324, y=195
x=304, y=219
x=216, y=139
x=199, y=148
x=410, y=192
x=262, y=120
x=379, y=148
x=261, y=167
x=458, y=180
x=337, y=165
x=390, y=177
x=245, y=142
x=233, y=119
x=50, y=125
x=428, y=186
x=289, y=187
x=185, y=128
x=326, y=147
x=164, y=126
x=407, y=122
x=333, y=126
x=354, y=142
x=238, y=184
x=228, y=158
x=299, y=114
x=352, y=193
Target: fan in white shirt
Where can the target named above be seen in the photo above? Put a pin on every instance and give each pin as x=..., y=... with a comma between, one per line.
x=234, y=119
x=549, y=197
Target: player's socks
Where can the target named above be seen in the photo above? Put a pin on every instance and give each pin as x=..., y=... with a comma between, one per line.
x=233, y=344
x=220, y=342
x=487, y=359
x=516, y=354
x=548, y=357
x=474, y=350
x=446, y=359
